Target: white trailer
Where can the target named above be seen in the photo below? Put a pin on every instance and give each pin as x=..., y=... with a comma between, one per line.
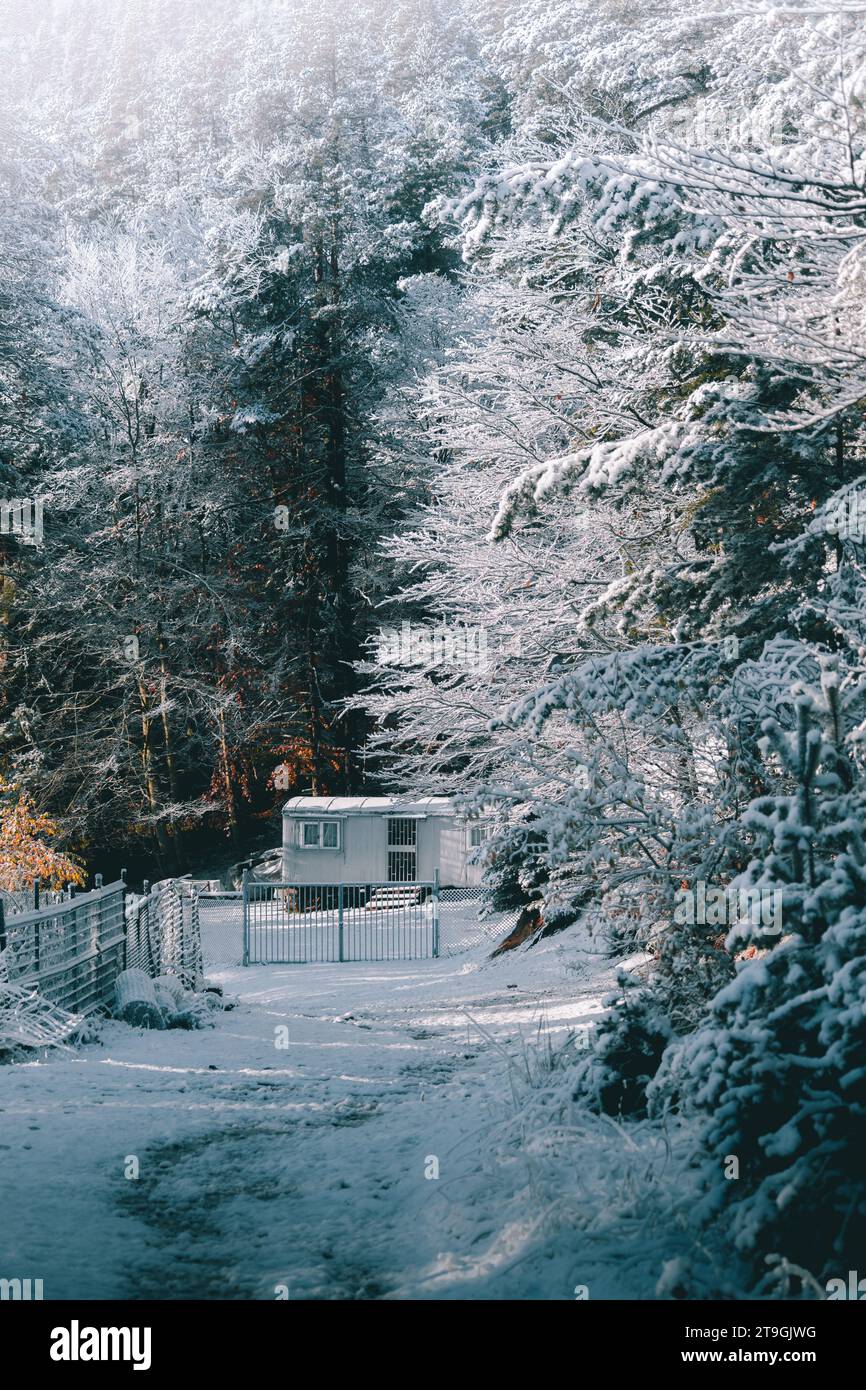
x=381, y=839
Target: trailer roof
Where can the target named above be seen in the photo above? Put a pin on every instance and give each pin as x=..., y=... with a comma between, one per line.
x=369, y=805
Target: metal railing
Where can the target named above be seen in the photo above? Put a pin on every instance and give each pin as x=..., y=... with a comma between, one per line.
x=301, y=923
x=71, y=952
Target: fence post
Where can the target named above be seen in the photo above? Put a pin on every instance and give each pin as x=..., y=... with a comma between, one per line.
x=340, y=920
x=98, y=934
x=246, y=904
x=37, y=943
x=2, y=926
x=148, y=905
x=435, y=912
x=125, y=918
x=195, y=936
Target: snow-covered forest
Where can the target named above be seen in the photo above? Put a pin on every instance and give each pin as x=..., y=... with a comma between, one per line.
x=533, y=331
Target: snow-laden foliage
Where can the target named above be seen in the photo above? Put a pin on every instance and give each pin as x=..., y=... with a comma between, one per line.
x=643, y=477
x=469, y=399
x=208, y=217
x=776, y=1069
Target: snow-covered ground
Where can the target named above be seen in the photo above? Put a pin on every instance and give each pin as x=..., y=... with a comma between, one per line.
x=301, y=1170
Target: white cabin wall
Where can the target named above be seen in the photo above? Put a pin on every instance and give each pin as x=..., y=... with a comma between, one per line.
x=366, y=849
x=429, y=831
x=452, y=854
x=361, y=858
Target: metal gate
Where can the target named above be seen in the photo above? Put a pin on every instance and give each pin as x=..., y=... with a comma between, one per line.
x=300, y=923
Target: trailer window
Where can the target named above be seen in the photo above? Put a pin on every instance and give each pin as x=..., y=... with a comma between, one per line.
x=320, y=834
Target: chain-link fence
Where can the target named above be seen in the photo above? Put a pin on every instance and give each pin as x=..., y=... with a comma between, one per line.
x=72, y=951
x=221, y=923
x=465, y=922
x=163, y=933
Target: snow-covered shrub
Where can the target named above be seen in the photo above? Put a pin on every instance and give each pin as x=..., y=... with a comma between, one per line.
x=626, y=1052
x=777, y=1072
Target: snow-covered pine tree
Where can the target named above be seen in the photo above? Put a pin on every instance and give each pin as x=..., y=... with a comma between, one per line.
x=776, y=1071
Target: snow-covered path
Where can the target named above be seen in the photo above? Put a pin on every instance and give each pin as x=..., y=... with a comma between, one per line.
x=296, y=1170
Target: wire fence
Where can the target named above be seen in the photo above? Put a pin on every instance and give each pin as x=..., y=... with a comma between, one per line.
x=464, y=924
x=72, y=951
x=466, y=921
x=31, y=899
x=221, y=924
x=163, y=933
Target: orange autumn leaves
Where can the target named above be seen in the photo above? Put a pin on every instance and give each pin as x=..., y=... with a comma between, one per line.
x=24, y=853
